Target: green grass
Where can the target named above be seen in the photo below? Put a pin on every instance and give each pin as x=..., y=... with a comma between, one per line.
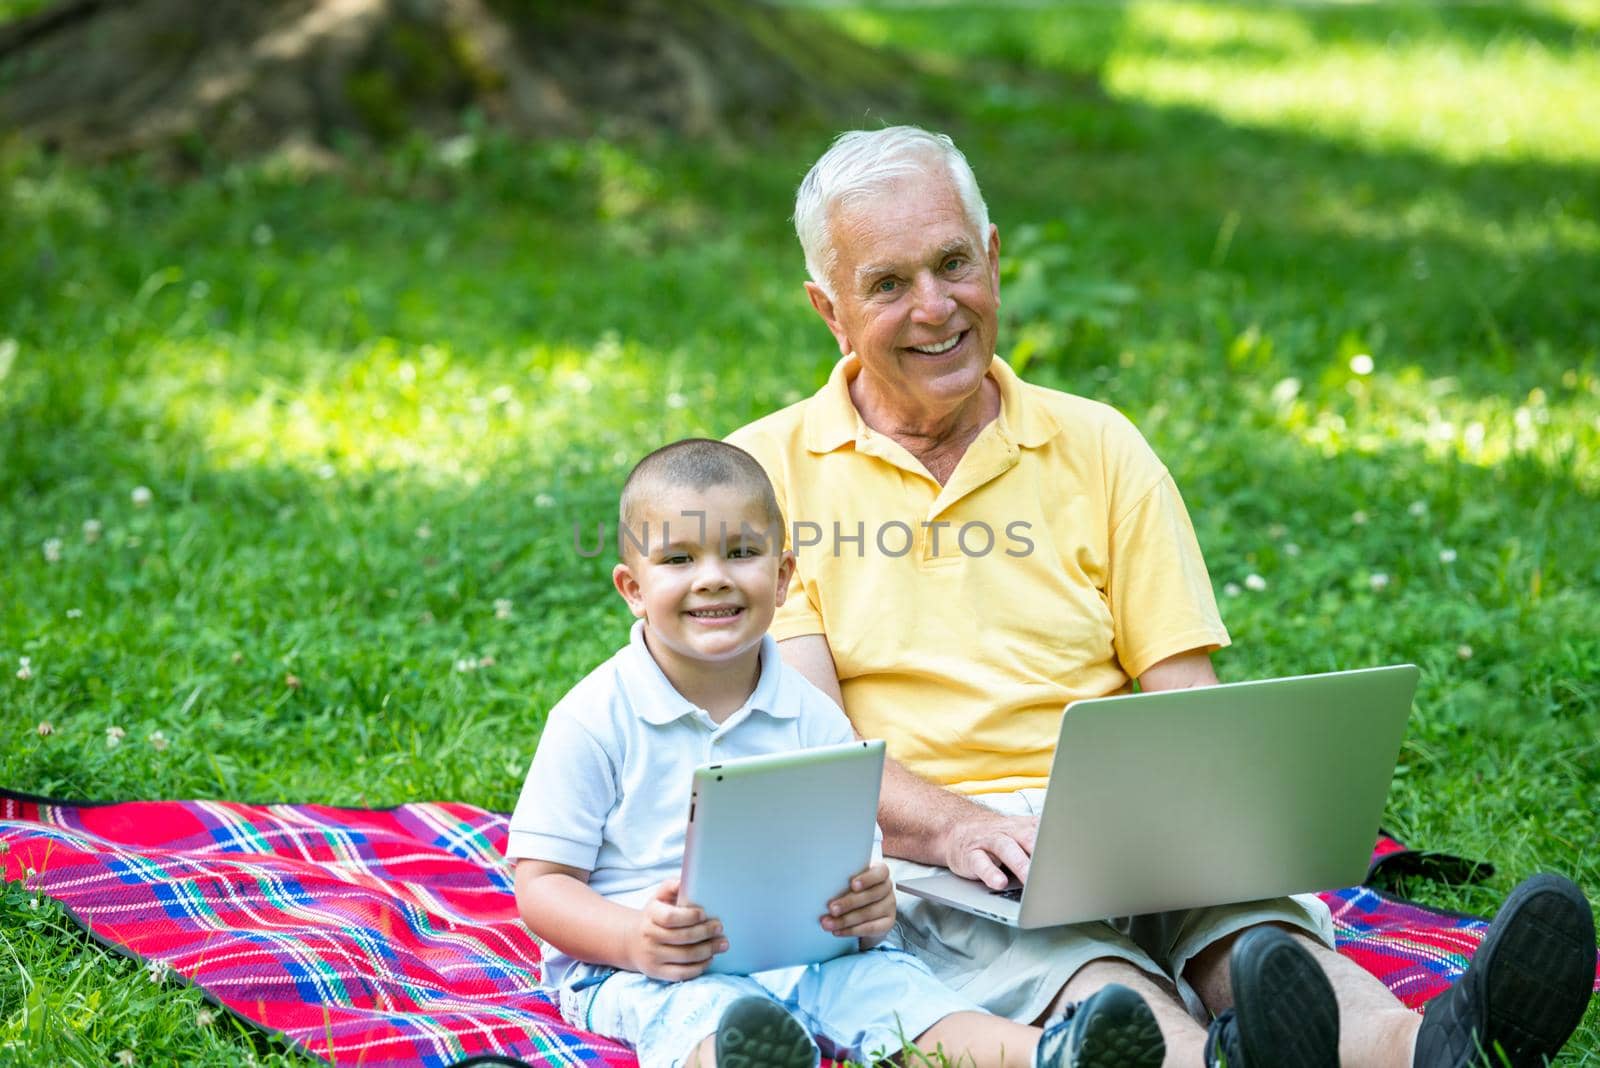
x=370, y=405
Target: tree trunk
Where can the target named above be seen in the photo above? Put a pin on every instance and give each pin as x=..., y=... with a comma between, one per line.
x=244, y=77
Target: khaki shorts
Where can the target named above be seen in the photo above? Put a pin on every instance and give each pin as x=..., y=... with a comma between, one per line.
x=1017, y=973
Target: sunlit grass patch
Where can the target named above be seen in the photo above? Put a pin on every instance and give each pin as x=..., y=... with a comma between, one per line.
x=1421, y=88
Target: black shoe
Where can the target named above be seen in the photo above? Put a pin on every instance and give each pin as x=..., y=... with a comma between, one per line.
x=757, y=1032
x=1111, y=1028
x=1527, y=986
x=1284, y=1014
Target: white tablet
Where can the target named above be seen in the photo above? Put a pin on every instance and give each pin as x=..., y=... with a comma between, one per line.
x=771, y=840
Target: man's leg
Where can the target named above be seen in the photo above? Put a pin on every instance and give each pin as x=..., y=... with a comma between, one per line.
x=1375, y=1029
x=1185, y=1038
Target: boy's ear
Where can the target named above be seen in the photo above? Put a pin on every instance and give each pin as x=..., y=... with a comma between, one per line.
x=622, y=578
x=785, y=573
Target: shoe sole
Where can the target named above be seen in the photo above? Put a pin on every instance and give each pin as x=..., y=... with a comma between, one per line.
x=1540, y=953
x=757, y=1033
x=1283, y=1004
x=1121, y=1033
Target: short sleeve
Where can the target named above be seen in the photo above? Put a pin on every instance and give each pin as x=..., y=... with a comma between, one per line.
x=570, y=790
x=1158, y=588
x=799, y=614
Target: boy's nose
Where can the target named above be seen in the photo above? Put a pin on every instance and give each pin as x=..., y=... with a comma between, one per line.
x=711, y=574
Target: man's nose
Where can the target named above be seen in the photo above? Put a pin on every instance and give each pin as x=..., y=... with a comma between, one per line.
x=931, y=300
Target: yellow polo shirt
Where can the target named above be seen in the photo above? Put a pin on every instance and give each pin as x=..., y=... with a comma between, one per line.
x=1057, y=563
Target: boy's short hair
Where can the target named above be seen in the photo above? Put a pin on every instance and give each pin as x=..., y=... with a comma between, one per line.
x=697, y=464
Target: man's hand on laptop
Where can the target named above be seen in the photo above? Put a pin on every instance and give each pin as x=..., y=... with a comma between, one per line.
x=866, y=910
x=673, y=941
x=991, y=848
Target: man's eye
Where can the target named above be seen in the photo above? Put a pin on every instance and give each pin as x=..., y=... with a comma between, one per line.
x=886, y=286
x=954, y=263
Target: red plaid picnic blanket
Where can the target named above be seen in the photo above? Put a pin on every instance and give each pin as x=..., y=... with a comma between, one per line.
x=390, y=937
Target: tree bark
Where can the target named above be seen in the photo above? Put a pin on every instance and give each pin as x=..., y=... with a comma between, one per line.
x=245, y=77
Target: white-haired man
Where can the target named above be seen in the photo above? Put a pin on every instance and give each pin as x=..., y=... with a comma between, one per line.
x=992, y=550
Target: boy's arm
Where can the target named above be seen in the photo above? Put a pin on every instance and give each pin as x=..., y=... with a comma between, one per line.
x=663, y=940
x=866, y=910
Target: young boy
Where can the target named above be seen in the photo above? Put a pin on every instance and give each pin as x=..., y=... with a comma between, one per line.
x=598, y=832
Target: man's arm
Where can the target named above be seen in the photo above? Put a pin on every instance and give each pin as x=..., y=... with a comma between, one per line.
x=1184, y=671
x=922, y=821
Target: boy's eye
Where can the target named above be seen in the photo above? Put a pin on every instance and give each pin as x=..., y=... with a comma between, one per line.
x=675, y=558
x=742, y=551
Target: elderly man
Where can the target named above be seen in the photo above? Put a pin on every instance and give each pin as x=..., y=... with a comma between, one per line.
x=991, y=550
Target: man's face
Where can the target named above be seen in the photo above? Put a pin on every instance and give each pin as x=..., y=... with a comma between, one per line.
x=710, y=577
x=917, y=293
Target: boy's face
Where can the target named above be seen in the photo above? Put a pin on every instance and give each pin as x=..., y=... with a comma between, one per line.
x=711, y=574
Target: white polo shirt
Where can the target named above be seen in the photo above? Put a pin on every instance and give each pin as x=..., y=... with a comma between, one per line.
x=609, y=787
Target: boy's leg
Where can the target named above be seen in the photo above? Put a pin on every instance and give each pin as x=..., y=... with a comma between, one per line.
x=668, y=1024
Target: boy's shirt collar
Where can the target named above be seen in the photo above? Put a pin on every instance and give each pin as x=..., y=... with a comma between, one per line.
x=656, y=701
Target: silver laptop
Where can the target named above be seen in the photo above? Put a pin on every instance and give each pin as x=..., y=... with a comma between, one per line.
x=771, y=840
x=1186, y=798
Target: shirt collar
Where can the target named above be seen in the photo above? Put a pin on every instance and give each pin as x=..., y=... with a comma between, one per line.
x=656, y=700
x=831, y=419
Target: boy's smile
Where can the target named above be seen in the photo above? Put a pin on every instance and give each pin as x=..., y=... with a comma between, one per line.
x=706, y=572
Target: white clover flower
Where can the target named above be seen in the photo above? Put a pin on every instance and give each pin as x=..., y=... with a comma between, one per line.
x=158, y=971
x=466, y=664
x=45, y=728
x=502, y=608
x=1378, y=581
x=199, y=289
x=33, y=902
x=158, y=741
x=92, y=529
x=1254, y=582
x=485, y=661
x=52, y=550
x=1464, y=651
x=1361, y=364
x=114, y=736
x=543, y=500
x=424, y=532
x=126, y=1058
x=261, y=235
x=326, y=472
x=141, y=496
x=676, y=400
x=74, y=613
x=24, y=668
x=1359, y=518
x=1418, y=509
x=1447, y=556
x=205, y=1017
x=1291, y=549
x=1231, y=589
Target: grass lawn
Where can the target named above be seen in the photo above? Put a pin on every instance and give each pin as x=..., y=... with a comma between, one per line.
x=290, y=466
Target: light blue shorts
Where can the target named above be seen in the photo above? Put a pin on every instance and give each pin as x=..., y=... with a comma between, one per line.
x=861, y=1007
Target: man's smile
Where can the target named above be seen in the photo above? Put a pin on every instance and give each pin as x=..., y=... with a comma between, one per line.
x=938, y=348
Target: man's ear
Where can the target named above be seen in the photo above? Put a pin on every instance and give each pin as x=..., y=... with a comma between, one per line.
x=824, y=306
x=785, y=573
x=622, y=578
x=994, y=261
